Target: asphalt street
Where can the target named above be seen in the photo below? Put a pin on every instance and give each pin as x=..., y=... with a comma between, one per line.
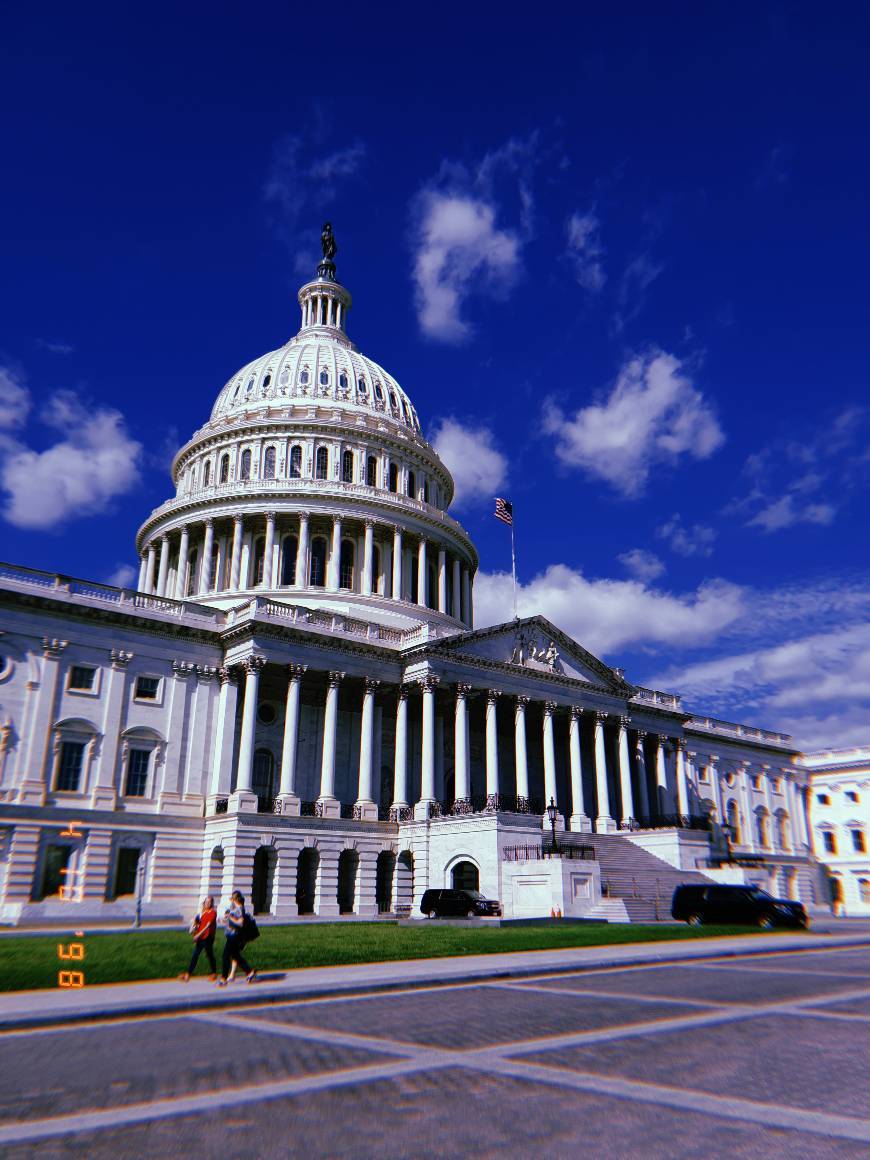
x=742, y=1057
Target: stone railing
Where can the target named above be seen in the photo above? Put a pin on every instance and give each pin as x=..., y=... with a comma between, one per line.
x=655, y=697
x=733, y=729
x=336, y=623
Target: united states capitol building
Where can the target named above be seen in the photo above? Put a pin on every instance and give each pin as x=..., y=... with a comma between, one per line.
x=294, y=700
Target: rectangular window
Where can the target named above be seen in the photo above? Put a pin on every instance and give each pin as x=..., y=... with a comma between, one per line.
x=56, y=861
x=81, y=677
x=69, y=767
x=829, y=842
x=823, y=799
x=147, y=688
x=859, y=845
x=126, y=870
x=137, y=772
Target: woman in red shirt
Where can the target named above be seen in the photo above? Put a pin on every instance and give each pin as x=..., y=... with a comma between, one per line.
x=203, y=930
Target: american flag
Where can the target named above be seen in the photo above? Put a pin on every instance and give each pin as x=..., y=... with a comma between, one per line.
x=504, y=511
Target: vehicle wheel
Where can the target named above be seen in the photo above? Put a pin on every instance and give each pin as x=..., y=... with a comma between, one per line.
x=765, y=922
x=471, y=914
x=431, y=914
x=695, y=920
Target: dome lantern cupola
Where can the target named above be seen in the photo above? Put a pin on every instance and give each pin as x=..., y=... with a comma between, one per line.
x=325, y=302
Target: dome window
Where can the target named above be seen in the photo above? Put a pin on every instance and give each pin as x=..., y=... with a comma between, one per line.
x=269, y=463
x=363, y=387
x=303, y=378
x=321, y=463
x=347, y=466
x=289, y=552
x=317, y=569
x=425, y=491
x=372, y=471
x=285, y=378
x=345, y=571
x=236, y=391
x=342, y=380
x=324, y=378
x=225, y=468
x=206, y=473
x=412, y=485
x=379, y=392
x=266, y=381
x=296, y=462
x=250, y=389
x=394, y=478
x=245, y=467
x=394, y=403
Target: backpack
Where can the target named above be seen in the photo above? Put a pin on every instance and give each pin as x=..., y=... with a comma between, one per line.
x=250, y=930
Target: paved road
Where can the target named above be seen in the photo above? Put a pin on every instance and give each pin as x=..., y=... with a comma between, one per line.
x=744, y=1057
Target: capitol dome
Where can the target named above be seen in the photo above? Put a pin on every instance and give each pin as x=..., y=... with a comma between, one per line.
x=311, y=483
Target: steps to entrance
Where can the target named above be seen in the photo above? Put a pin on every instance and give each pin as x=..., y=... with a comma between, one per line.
x=641, y=882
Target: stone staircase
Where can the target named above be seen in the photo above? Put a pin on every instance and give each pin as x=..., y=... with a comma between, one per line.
x=630, y=875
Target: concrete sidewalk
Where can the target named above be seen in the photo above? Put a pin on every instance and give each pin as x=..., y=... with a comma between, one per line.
x=25, y=1009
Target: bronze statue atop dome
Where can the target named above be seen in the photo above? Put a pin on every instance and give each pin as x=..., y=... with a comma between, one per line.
x=326, y=268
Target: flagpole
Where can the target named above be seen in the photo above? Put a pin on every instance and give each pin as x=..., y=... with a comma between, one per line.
x=514, y=567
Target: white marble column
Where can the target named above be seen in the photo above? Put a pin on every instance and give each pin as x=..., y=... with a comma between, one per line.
x=604, y=823
x=236, y=558
x=330, y=807
x=625, y=775
x=149, y=569
x=334, y=574
x=442, y=580
x=365, y=808
x=397, y=563
x=421, y=573
x=205, y=577
x=661, y=778
x=225, y=725
x=368, y=557
x=551, y=792
x=642, y=788
x=520, y=751
x=466, y=599
x=456, y=610
x=492, y=779
x=682, y=786
x=400, y=763
x=243, y=800
x=163, y=569
x=181, y=575
x=268, y=551
x=461, y=763
x=143, y=567
x=303, y=567
x=427, y=769
x=580, y=821
x=287, y=796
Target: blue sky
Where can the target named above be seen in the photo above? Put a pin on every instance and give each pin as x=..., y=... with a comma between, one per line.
x=618, y=255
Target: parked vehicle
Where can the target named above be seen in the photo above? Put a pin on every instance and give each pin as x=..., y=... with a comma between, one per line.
x=743, y=905
x=458, y=904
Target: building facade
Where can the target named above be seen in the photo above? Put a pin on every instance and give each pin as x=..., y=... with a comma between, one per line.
x=294, y=701
x=840, y=817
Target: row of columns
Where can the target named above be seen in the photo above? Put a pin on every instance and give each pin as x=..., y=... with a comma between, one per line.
x=365, y=806
x=154, y=572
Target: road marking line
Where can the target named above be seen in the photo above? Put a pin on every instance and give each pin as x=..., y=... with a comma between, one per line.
x=326, y=1035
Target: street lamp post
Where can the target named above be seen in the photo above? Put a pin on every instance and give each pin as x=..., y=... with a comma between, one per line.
x=552, y=814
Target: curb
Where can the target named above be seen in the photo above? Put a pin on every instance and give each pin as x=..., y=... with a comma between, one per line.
x=183, y=1005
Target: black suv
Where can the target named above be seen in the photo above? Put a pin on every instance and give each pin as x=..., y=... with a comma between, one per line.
x=457, y=904
x=743, y=905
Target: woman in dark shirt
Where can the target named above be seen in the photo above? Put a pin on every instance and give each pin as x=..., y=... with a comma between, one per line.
x=234, y=941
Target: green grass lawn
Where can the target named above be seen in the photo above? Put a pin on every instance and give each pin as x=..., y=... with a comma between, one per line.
x=30, y=963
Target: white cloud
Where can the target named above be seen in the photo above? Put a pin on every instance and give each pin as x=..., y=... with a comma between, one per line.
x=638, y=276
x=696, y=540
x=653, y=415
x=96, y=461
x=461, y=249
x=643, y=565
x=14, y=399
x=123, y=576
x=478, y=467
x=55, y=347
x=786, y=511
x=585, y=250
x=606, y=615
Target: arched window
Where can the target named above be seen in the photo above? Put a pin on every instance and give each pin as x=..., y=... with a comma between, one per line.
x=206, y=473
x=372, y=471
x=249, y=388
x=345, y=574
x=296, y=462
x=782, y=831
x=191, y=571
x=465, y=876
x=394, y=477
x=259, y=559
x=263, y=774
x=379, y=392
x=317, y=573
x=412, y=484
x=342, y=380
x=762, y=832
x=347, y=467
x=376, y=568
x=321, y=463
x=245, y=466
x=225, y=468
x=211, y=578
x=303, y=378
x=363, y=387
x=425, y=491
x=324, y=378
x=432, y=584
x=269, y=463
x=289, y=551
x=266, y=381
x=733, y=815
x=864, y=889
x=394, y=402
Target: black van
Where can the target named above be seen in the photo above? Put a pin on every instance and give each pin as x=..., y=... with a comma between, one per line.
x=737, y=905
x=458, y=904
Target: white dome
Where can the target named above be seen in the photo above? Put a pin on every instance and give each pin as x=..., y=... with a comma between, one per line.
x=320, y=365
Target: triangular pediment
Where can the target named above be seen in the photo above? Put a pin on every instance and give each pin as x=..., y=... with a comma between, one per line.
x=536, y=645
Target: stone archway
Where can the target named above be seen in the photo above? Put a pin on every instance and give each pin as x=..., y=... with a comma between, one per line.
x=348, y=867
x=404, y=892
x=465, y=876
x=263, y=886
x=215, y=884
x=306, y=879
x=384, y=874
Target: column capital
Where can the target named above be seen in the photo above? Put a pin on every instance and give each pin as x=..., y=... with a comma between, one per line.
x=429, y=683
x=183, y=669
x=296, y=672
x=120, y=658
x=522, y=701
x=397, y=529
x=164, y=537
x=641, y=734
x=227, y=676
x=271, y=517
x=253, y=664
x=205, y=673
x=550, y=708
x=575, y=712
x=372, y=685
x=402, y=692
x=368, y=522
x=492, y=695
x=209, y=521
x=678, y=744
x=303, y=515
x=238, y=519
x=334, y=678
x=624, y=721
x=691, y=754
x=462, y=690
x=51, y=647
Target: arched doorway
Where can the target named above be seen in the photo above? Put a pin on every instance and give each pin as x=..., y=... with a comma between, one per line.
x=263, y=779
x=265, y=864
x=215, y=884
x=404, y=882
x=348, y=865
x=386, y=868
x=306, y=879
x=465, y=876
